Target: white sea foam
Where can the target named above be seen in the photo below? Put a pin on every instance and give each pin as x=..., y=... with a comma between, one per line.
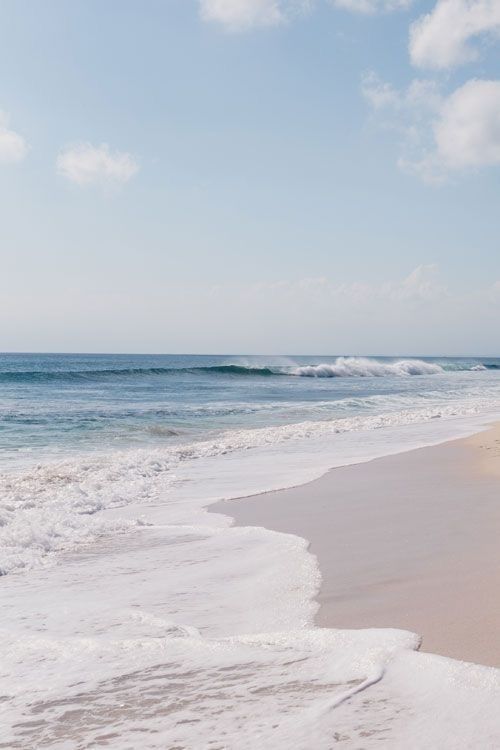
x=183, y=690
x=53, y=507
x=345, y=367
x=188, y=632
x=119, y=672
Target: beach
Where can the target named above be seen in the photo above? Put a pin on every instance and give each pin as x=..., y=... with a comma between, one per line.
x=407, y=541
x=136, y=613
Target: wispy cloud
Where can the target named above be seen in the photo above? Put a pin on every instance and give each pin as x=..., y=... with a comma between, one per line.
x=13, y=147
x=372, y=6
x=243, y=15
x=86, y=164
x=422, y=285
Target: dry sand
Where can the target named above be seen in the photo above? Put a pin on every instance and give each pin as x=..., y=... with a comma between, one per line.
x=409, y=541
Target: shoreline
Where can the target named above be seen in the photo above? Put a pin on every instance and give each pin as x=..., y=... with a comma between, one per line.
x=405, y=541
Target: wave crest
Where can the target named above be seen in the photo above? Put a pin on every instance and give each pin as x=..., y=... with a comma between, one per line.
x=361, y=367
x=342, y=367
x=44, y=376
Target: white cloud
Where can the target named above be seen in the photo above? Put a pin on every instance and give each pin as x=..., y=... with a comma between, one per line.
x=86, y=164
x=240, y=15
x=13, y=147
x=372, y=6
x=440, y=135
x=467, y=132
x=441, y=39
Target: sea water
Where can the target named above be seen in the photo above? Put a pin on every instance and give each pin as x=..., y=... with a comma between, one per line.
x=132, y=617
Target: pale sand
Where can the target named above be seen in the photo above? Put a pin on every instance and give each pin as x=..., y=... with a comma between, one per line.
x=410, y=541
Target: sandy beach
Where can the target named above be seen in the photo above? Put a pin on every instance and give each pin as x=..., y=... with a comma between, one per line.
x=408, y=541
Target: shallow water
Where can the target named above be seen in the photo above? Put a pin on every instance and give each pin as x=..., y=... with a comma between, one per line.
x=131, y=617
x=51, y=405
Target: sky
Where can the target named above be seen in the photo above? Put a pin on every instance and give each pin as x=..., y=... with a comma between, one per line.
x=250, y=176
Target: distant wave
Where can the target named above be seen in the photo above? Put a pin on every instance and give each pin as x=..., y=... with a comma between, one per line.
x=342, y=367
x=44, y=376
x=238, y=370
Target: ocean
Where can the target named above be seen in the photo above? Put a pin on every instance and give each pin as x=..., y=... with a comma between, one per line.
x=133, y=617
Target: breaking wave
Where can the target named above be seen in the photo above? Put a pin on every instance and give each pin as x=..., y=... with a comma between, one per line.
x=342, y=367
x=348, y=367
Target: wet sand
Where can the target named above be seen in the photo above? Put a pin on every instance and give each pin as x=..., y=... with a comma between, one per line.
x=410, y=541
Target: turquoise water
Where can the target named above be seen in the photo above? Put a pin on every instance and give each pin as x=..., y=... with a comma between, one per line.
x=52, y=404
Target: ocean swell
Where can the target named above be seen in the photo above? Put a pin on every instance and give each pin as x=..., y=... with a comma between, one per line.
x=342, y=367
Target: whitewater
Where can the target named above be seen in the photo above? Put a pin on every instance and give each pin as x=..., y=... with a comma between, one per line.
x=134, y=617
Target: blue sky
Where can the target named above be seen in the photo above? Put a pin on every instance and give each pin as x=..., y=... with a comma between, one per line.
x=276, y=178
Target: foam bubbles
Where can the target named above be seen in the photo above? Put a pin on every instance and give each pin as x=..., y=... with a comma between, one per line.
x=57, y=506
